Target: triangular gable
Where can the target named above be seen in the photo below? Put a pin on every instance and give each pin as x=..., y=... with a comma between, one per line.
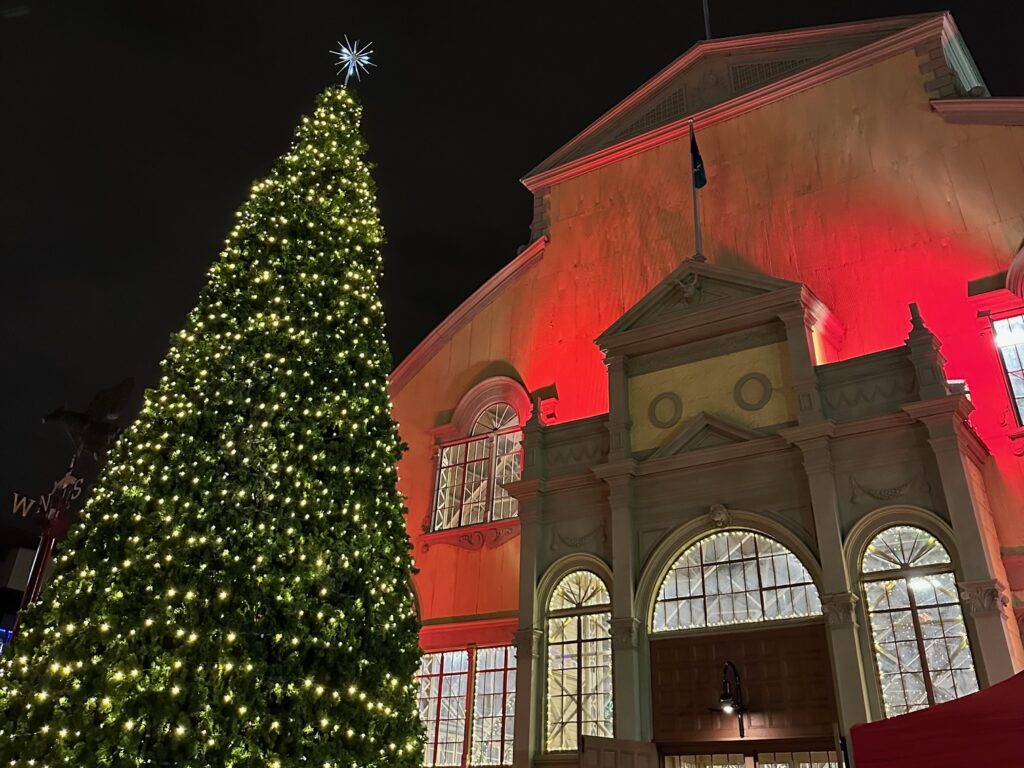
x=715, y=72
x=704, y=431
x=693, y=286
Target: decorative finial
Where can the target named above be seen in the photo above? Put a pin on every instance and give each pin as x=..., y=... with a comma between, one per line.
x=353, y=59
x=917, y=327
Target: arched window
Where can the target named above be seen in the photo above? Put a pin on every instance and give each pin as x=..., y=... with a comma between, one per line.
x=579, y=672
x=472, y=472
x=735, y=577
x=921, y=647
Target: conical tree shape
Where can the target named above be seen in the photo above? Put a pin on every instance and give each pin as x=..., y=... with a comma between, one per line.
x=237, y=592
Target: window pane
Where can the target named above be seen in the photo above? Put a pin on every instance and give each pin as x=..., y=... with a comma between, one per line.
x=578, y=590
x=493, y=707
x=704, y=761
x=736, y=577
x=442, y=682
x=903, y=546
x=579, y=663
x=495, y=417
x=911, y=613
x=472, y=473
x=798, y=760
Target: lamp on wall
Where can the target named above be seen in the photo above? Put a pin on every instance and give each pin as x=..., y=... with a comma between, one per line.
x=730, y=700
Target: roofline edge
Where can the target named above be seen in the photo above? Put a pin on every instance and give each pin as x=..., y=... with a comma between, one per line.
x=413, y=362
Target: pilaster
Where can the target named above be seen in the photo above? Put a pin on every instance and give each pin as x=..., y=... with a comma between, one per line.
x=801, y=362
x=626, y=626
x=958, y=454
x=529, y=643
x=838, y=600
x=529, y=638
x=618, y=409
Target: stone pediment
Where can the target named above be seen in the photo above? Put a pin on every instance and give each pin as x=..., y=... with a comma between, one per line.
x=717, y=72
x=704, y=431
x=693, y=287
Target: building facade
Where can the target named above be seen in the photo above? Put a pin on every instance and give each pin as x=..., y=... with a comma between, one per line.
x=715, y=508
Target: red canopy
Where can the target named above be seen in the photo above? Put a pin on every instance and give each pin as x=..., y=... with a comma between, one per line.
x=983, y=729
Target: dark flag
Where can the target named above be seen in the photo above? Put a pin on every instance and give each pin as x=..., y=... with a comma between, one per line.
x=700, y=178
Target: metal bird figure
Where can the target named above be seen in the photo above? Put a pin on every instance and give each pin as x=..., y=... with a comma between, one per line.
x=95, y=430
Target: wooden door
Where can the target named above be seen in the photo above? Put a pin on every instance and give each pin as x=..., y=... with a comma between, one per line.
x=787, y=681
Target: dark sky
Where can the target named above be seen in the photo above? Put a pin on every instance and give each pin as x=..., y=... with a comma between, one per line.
x=130, y=132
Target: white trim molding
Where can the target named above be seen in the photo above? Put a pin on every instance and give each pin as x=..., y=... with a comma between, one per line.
x=981, y=111
x=463, y=314
x=660, y=561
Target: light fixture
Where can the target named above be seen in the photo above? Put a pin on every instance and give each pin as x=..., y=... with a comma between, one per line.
x=730, y=700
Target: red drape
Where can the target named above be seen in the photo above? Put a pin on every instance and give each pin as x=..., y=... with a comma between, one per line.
x=980, y=730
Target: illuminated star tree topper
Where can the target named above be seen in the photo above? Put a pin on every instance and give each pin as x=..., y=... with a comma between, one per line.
x=353, y=59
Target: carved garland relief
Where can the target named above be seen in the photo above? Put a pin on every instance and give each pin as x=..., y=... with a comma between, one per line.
x=485, y=538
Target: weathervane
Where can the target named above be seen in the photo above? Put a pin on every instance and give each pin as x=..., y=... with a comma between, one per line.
x=353, y=59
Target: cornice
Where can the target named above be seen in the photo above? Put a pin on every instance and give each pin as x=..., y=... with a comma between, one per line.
x=714, y=320
x=829, y=70
x=719, y=454
x=465, y=312
x=981, y=111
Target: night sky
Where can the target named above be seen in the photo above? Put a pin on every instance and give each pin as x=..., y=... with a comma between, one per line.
x=130, y=133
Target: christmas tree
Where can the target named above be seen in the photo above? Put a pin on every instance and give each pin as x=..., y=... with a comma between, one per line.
x=238, y=590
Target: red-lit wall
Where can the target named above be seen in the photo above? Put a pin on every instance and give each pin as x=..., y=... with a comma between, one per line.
x=855, y=187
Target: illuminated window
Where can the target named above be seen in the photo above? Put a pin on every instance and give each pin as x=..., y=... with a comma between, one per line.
x=736, y=577
x=921, y=648
x=494, y=704
x=579, y=669
x=445, y=697
x=471, y=473
x=443, y=683
x=1010, y=339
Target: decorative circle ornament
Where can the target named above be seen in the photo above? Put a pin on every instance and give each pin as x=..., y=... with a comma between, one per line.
x=752, y=404
x=675, y=410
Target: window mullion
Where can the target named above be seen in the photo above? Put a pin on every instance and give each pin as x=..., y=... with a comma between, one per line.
x=760, y=579
x=504, y=704
x=436, y=511
x=703, y=581
x=492, y=479
x=464, y=465
x=470, y=686
x=437, y=710
x=579, y=679
x=919, y=637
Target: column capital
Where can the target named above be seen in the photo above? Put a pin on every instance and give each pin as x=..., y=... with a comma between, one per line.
x=626, y=633
x=840, y=609
x=528, y=643
x=625, y=469
x=815, y=443
x=983, y=597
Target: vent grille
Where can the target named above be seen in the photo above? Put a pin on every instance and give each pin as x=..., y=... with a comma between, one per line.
x=668, y=109
x=747, y=76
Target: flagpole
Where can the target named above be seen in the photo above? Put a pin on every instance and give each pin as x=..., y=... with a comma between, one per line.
x=698, y=237
x=707, y=21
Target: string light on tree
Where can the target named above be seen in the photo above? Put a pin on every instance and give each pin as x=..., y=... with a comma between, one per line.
x=238, y=591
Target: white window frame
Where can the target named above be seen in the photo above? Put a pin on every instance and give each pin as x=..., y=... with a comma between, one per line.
x=1007, y=339
x=756, y=563
x=487, y=444
x=907, y=574
x=577, y=613
x=470, y=718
